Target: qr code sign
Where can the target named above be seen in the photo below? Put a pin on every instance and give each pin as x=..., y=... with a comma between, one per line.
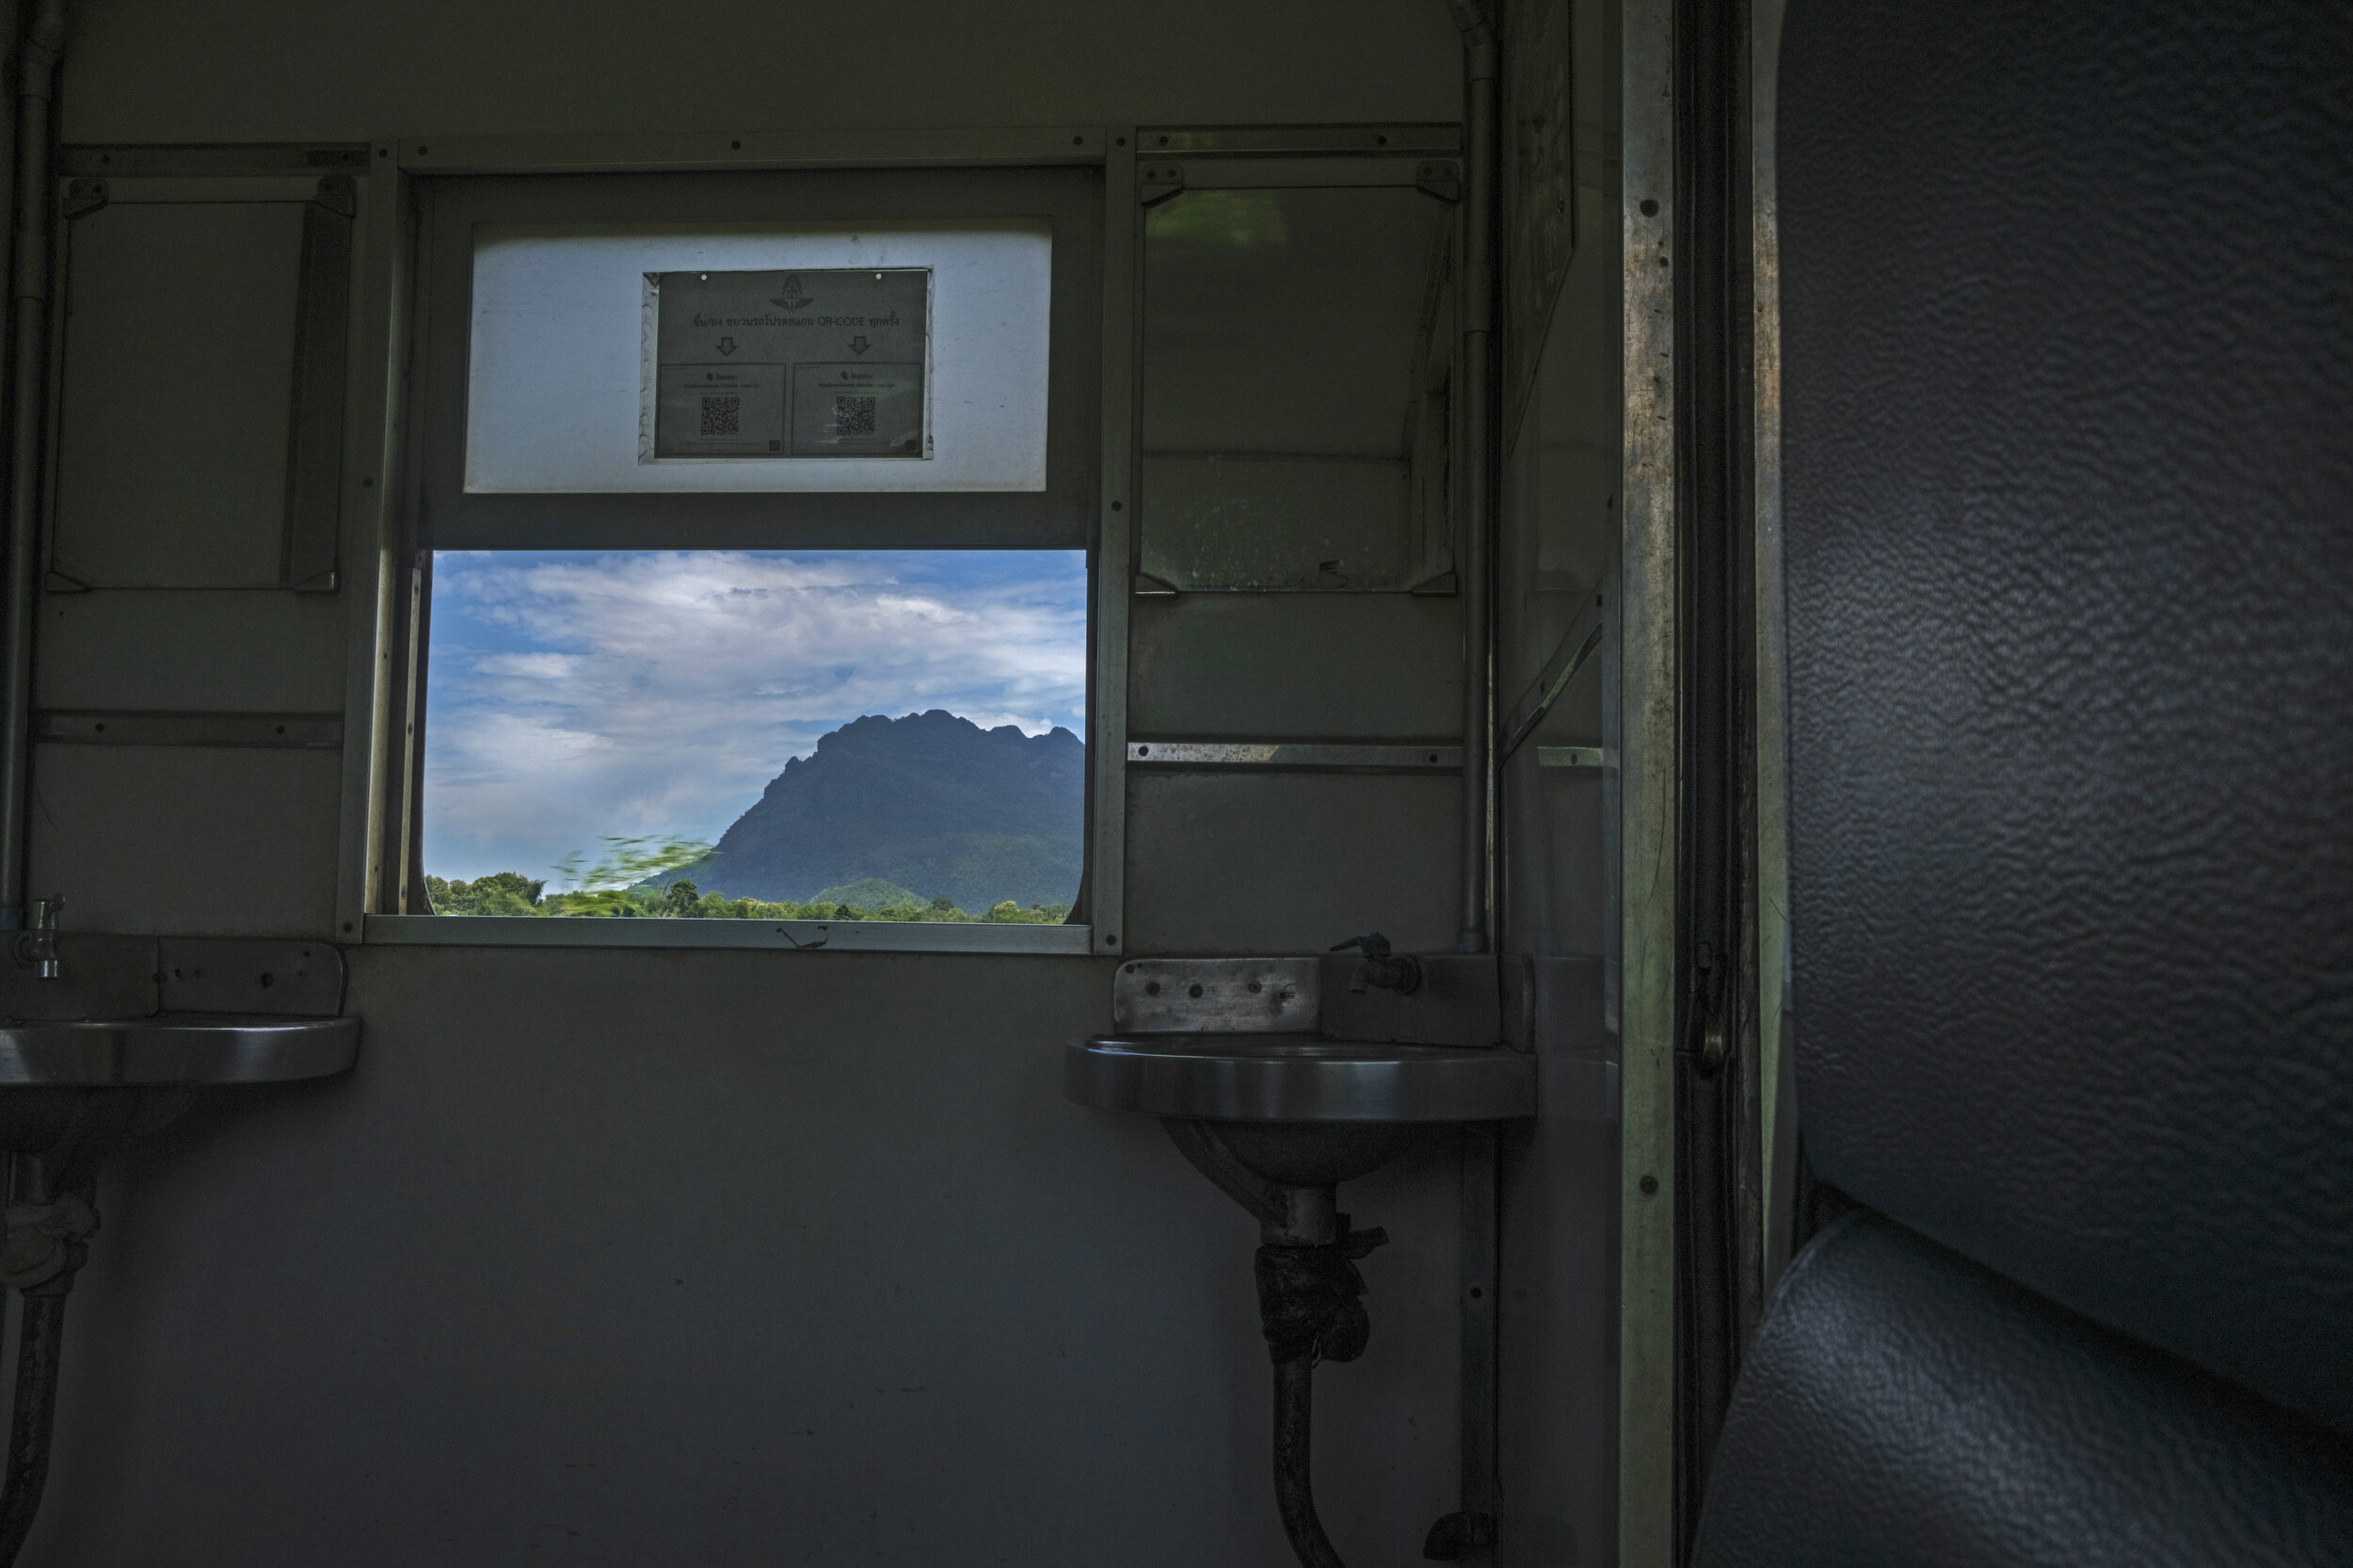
x=723, y=416
x=853, y=416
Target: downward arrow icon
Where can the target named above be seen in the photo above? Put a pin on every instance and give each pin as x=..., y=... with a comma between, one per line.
x=858, y=344
x=726, y=345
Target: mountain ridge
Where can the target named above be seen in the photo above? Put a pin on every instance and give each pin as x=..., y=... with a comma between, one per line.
x=931, y=801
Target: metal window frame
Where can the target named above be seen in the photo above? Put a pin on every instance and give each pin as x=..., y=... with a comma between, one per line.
x=383, y=697
x=1060, y=513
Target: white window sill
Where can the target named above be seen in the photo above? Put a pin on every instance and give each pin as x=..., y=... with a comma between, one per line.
x=540, y=931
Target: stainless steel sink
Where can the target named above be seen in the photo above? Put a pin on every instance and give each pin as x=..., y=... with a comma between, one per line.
x=106, y=1039
x=1281, y=1077
x=1297, y=1078
x=166, y=1050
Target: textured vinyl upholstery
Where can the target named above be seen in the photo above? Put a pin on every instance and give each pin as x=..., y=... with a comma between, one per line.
x=2068, y=447
x=1906, y=1406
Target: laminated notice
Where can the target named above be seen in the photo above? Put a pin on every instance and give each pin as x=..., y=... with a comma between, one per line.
x=827, y=363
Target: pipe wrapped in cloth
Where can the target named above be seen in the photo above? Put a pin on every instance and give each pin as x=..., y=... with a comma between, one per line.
x=1309, y=1309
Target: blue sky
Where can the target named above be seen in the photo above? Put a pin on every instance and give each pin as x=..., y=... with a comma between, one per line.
x=576, y=694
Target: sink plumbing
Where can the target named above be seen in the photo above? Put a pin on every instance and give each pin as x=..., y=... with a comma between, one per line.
x=1281, y=1077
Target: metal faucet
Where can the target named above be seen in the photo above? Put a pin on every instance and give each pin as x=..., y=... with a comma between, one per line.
x=39, y=946
x=1400, y=973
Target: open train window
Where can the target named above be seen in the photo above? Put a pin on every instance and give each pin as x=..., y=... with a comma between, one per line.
x=755, y=513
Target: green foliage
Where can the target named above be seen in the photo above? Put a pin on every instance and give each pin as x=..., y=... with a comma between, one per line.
x=1009, y=913
x=627, y=861
x=499, y=893
x=624, y=885
x=866, y=892
x=511, y=893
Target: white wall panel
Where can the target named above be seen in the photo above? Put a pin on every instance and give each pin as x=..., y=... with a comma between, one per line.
x=188, y=839
x=810, y=1263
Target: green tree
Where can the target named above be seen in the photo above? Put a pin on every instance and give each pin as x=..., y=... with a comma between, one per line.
x=498, y=894
x=627, y=861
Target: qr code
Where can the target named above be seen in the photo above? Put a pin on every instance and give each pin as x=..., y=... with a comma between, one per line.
x=723, y=416
x=853, y=416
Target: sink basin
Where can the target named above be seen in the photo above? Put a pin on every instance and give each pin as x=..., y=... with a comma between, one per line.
x=184, y=1049
x=1297, y=1078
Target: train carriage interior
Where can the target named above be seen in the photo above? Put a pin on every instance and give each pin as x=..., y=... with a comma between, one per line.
x=1537, y=783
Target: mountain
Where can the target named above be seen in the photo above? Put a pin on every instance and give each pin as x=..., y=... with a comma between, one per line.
x=930, y=801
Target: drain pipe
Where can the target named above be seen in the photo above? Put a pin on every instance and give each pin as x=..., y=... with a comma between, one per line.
x=1308, y=1309
x=1478, y=306
x=38, y=55
x=47, y=1243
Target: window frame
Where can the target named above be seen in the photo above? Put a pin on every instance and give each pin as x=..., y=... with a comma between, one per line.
x=1087, y=501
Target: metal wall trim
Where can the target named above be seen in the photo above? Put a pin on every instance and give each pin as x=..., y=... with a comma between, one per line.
x=130, y=160
x=869, y=149
x=270, y=731
x=1297, y=756
x=1120, y=484
x=545, y=931
x=315, y=445
x=1572, y=756
x=371, y=555
x=1770, y=752
x=1171, y=141
x=1648, y=782
x=139, y=188
x=1294, y=173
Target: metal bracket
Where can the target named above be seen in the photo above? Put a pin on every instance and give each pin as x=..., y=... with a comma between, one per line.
x=82, y=198
x=338, y=195
x=1455, y=1536
x=201, y=974
x=1577, y=644
x=1157, y=183
x=1218, y=996
x=1148, y=586
x=57, y=581
x=1441, y=178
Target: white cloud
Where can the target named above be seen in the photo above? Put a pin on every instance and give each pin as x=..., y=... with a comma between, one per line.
x=581, y=695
